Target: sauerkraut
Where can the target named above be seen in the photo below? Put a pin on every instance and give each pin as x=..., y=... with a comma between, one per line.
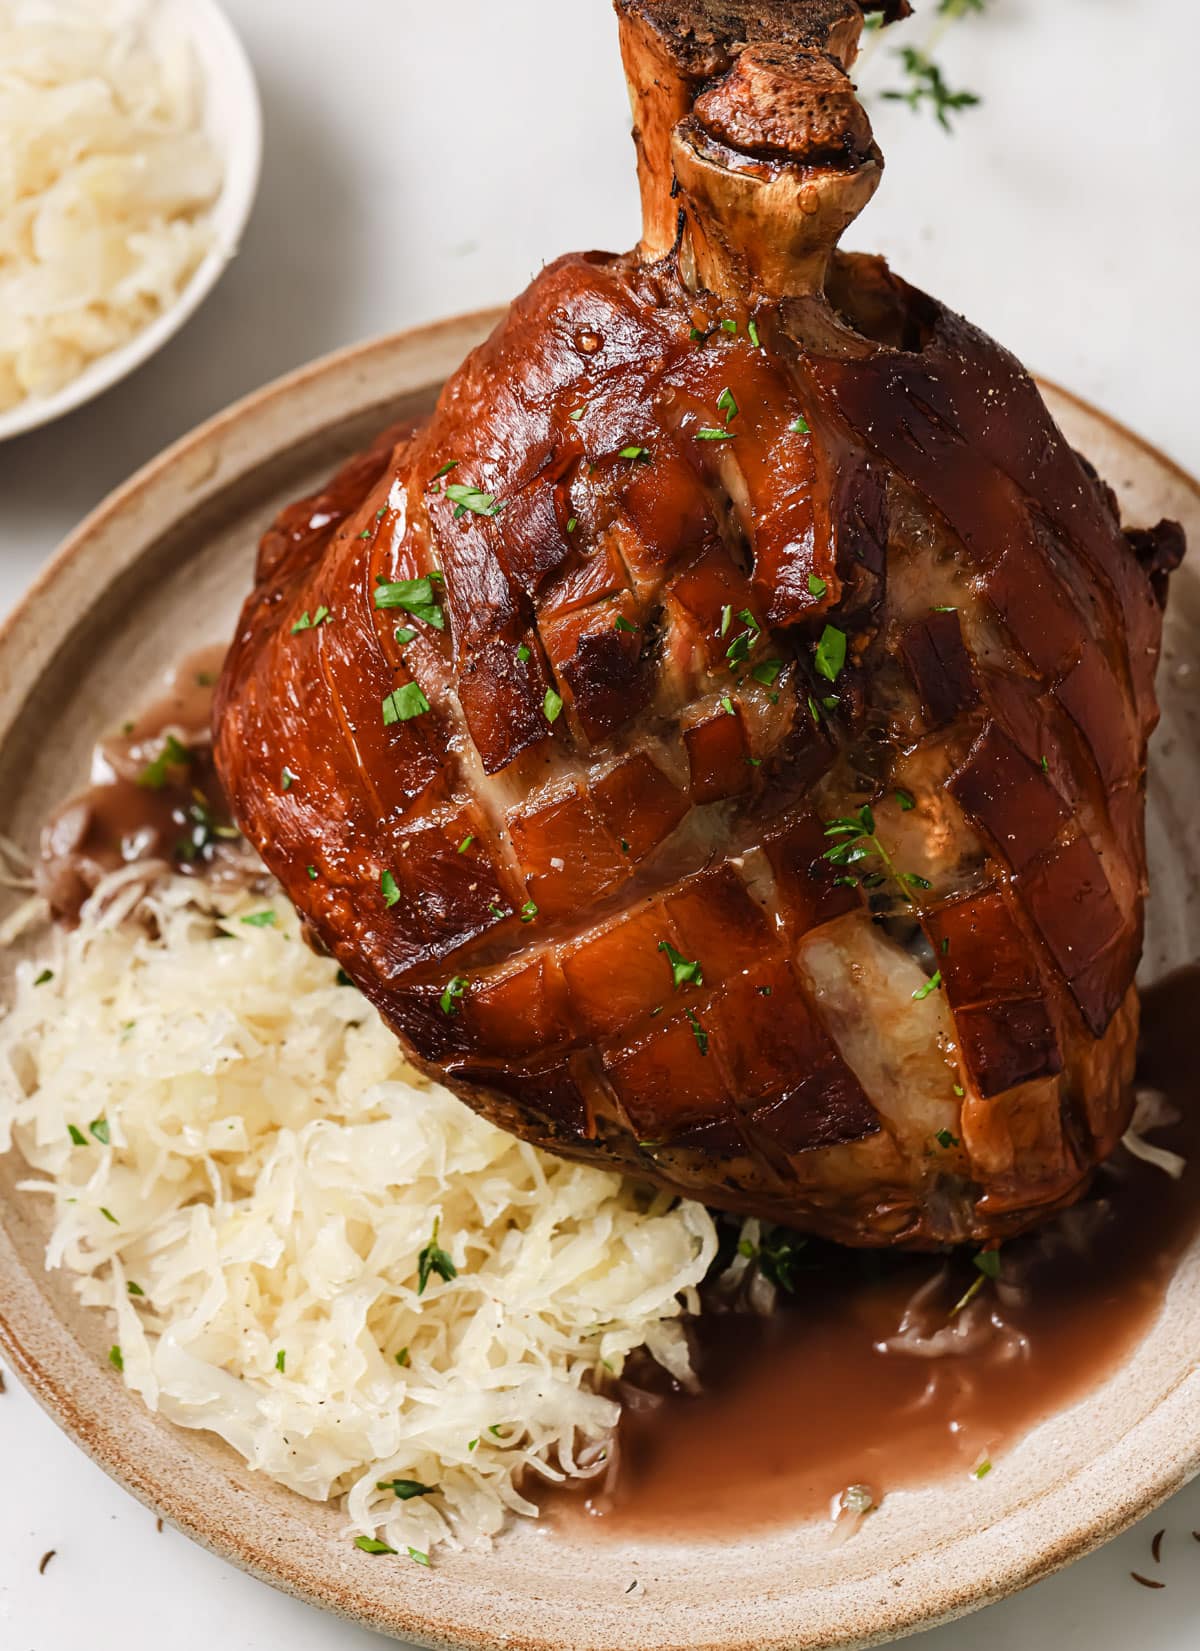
x=106, y=178
x=307, y=1248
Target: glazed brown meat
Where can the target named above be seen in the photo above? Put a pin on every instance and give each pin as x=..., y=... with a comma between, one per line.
x=716, y=739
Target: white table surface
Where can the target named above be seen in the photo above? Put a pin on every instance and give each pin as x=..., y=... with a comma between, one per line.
x=423, y=159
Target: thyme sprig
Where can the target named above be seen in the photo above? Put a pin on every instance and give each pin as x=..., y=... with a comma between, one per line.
x=859, y=841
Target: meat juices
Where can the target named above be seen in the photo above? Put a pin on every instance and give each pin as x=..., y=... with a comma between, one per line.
x=719, y=732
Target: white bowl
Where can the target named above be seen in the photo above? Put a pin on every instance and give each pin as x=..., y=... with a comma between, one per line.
x=233, y=120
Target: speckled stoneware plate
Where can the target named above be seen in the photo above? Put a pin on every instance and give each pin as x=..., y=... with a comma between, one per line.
x=158, y=570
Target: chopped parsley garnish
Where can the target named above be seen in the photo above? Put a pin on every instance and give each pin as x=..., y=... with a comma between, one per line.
x=406, y=1489
x=767, y=671
x=552, y=705
x=831, y=653
x=620, y=623
x=312, y=874
x=402, y=704
x=906, y=800
x=800, y=427
x=816, y=585
x=959, y=1090
x=931, y=985
x=739, y=649
x=402, y=1357
x=727, y=706
x=945, y=1139
x=529, y=911
x=109, y=1216
x=287, y=779
x=372, y=1545
x=1045, y=765
x=474, y=499
x=134, y=1289
x=46, y=974
x=99, y=1128
x=419, y=1555
x=708, y=433
x=77, y=1135
x=578, y=414
x=415, y=596
x=388, y=885
x=698, y=1032
x=466, y=843
x=305, y=623
x=259, y=919
x=433, y=1259
x=454, y=991
x=683, y=973
x=632, y=452
x=404, y=634
x=156, y=774
x=116, y=1358
x=524, y=653
x=281, y=1360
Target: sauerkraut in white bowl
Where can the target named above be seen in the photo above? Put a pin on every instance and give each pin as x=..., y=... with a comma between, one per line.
x=130, y=137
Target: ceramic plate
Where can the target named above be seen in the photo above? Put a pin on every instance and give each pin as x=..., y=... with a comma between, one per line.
x=159, y=570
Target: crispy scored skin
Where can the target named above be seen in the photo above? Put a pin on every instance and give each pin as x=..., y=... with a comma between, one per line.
x=775, y=827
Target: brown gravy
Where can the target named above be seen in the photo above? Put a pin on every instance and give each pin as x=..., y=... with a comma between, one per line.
x=154, y=795
x=798, y=1407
